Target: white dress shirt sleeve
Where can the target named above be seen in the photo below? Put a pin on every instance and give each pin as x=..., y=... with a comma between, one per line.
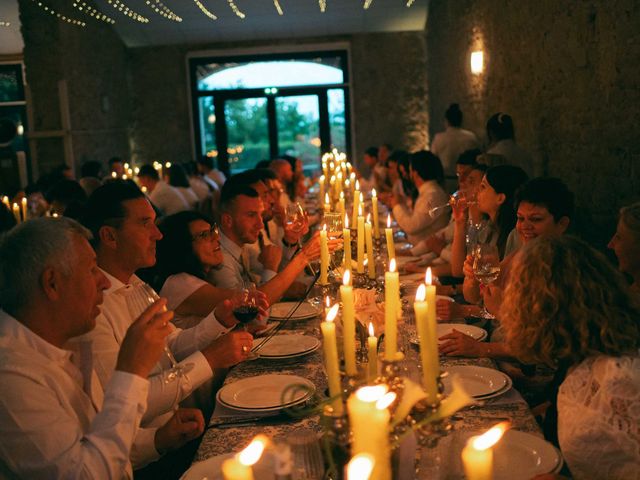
x=41, y=439
x=413, y=221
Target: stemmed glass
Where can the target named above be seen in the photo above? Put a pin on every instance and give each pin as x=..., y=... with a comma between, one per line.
x=333, y=221
x=247, y=309
x=454, y=199
x=139, y=298
x=486, y=268
x=294, y=216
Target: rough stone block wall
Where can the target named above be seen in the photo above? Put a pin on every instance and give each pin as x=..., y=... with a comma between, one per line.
x=566, y=71
x=389, y=80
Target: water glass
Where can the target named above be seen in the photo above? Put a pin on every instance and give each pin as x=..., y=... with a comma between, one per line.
x=308, y=463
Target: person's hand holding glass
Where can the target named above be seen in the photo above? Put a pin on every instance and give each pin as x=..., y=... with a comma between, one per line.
x=296, y=223
x=486, y=268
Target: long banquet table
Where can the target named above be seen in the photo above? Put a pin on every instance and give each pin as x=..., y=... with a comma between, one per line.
x=477, y=419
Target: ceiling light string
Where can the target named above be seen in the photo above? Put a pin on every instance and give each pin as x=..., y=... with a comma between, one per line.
x=204, y=10
x=60, y=16
x=323, y=5
x=276, y=3
x=235, y=9
x=367, y=4
x=410, y=2
x=89, y=10
x=122, y=8
x=161, y=9
x=4, y=24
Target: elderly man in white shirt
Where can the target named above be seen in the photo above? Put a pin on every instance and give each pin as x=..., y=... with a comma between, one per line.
x=167, y=198
x=125, y=235
x=418, y=224
x=55, y=419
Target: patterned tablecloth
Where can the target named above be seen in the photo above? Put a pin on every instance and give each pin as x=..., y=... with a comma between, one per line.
x=479, y=418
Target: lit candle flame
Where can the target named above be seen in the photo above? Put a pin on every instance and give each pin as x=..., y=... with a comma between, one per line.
x=114, y=175
x=347, y=183
x=371, y=393
x=373, y=193
x=324, y=227
x=346, y=278
x=346, y=221
x=490, y=437
x=372, y=333
x=392, y=265
x=333, y=313
x=421, y=293
x=388, y=220
x=327, y=301
x=386, y=400
x=368, y=218
x=341, y=195
x=360, y=467
x=167, y=165
x=326, y=198
x=360, y=210
x=366, y=262
x=252, y=453
x=427, y=277
x=357, y=184
x=24, y=201
x=322, y=177
x=361, y=198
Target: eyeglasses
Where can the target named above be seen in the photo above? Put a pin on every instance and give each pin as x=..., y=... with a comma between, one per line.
x=206, y=234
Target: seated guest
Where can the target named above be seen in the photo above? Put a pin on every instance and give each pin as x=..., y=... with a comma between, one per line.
x=418, y=224
x=450, y=144
x=116, y=165
x=501, y=137
x=240, y=224
x=188, y=251
x=90, y=176
x=377, y=176
x=565, y=306
x=66, y=197
x=626, y=244
x=125, y=236
x=196, y=182
x=393, y=174
x=165, y=197
x=209, y=173
x=544, y=209
x=177, y=178
x=284, y=172
x=55, y=419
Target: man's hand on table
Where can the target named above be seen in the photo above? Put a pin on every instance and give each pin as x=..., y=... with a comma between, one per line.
x=185, y=425
x=229, y=349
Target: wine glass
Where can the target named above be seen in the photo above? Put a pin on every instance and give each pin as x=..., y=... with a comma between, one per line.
x=333, y=221
x=139, y=298
x=246, y=310
x=456, y=197
x=486, y=268
x=294, y=216
x=307, y=455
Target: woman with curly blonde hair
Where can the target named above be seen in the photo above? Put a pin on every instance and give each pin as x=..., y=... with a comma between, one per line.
x=626, y=243
x=567, y=307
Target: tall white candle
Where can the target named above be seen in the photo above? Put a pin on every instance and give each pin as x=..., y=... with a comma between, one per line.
x=376, y=219
x=331, y=359
x=348, y=324
x=388, y=232
x=428, y=347
x=346, y=237
x=391, y=297
x=324, y=257
x=360, y=240
x=369, y=240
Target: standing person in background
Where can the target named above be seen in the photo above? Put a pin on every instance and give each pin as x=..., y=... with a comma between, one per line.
x=501, y=135
x=167, y=198
x=455, y=140
x=209, y=172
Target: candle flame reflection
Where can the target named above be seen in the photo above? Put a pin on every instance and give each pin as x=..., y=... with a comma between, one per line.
x=360, y=467
x=490, y=437
x=333, y=313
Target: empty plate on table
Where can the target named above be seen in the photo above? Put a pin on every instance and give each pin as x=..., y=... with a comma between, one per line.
x=264, y=393
x=522, y=456
x=282, y=310
x=444, y=328
x=479, y=382
x=287, y=346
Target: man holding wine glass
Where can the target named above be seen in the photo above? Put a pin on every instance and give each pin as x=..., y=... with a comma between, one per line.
x=125, y=236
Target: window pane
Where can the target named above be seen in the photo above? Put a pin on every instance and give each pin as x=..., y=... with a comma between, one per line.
x=285, y=73
x=298, y=120
x=207, y=127
x=337, y=120
x=11, y=83
x=248, y=132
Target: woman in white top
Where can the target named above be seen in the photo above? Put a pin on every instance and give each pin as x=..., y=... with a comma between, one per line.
x=189, y=249
x=177, y=177
x=566, y=306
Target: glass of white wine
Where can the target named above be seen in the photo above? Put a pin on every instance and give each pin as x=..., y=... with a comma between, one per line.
x=486, y=268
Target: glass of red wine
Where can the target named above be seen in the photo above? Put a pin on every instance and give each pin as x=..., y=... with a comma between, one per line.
x=246, y=309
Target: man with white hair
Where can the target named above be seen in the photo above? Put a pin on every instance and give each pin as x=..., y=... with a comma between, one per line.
x=55, y=419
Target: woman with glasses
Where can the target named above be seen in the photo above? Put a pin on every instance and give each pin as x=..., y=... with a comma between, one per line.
x=188, y=250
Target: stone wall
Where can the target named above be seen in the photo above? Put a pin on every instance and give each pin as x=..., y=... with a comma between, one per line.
x=388, y=87
x=92, y=61
x=566, y=71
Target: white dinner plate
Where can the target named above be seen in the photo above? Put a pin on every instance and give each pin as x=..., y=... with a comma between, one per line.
x=264, y=392
x=522, y=456
x=281, y=310
x=479, y=382
x=444, y=328
x=288, y=345
x=211, y=468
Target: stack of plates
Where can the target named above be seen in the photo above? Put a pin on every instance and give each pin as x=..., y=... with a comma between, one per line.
x=479, y=382
x=281, y=311
x=283, y=347
x=264, y=393
x=476, y=333
x=522, y=456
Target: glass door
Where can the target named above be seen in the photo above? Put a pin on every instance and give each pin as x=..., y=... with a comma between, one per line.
x=298, y=125
x=247, y=132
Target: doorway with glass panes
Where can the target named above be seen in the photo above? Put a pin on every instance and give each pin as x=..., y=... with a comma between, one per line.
x=253, y=108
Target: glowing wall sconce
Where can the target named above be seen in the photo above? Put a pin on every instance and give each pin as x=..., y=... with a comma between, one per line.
x=477, y=62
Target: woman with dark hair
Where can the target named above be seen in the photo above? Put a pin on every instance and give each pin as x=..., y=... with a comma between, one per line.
x=451, y=143
x=566, y=306
x=501, y=135
x=177, y=177
x=188, y=250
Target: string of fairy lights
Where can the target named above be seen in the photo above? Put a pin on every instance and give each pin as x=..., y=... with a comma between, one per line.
x=158, y=7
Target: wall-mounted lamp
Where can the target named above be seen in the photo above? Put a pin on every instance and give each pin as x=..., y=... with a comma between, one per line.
x=477, y=62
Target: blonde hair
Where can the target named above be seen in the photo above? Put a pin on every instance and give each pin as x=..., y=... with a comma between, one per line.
x=630, y=215
x=565, y=302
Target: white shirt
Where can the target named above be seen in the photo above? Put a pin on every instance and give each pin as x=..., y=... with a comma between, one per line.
x=238, y=266
x=599, y=418
x=176, y=289
x=189, y=195
x=111, y=327
x=55, y=421
x=168, y=199
x=417, y=223
x=514, y=155
x=448, y=146
x=200, y=187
